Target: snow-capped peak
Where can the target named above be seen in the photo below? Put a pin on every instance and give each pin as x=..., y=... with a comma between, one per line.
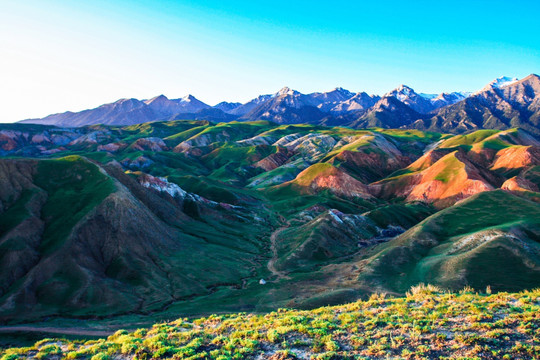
x=188, y=98
x=286, y=91
x=498, y=83
x=502, y=81
x=404, y=89
x=402, y=92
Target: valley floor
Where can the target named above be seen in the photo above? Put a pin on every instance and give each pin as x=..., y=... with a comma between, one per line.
x=425, y=324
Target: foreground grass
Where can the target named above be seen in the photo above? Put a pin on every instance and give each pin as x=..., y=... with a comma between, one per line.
x=426, y=324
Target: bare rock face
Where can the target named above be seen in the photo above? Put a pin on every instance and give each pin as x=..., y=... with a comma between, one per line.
x=500, y=105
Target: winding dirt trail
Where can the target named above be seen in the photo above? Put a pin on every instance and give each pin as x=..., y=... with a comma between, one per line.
x=273, y=247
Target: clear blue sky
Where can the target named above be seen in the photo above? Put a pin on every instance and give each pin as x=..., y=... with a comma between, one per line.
x=72, y=55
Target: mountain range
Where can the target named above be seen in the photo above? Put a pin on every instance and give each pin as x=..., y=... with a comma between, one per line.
x=503, y=103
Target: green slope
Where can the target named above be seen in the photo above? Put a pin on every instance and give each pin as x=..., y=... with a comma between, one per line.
x=492, y=238
x=74, y=187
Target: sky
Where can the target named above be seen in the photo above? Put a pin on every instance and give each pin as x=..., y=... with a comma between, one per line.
x=74, y=55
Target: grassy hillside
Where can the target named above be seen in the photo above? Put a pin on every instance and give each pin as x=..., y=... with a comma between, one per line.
x=484, y=240
x=81, y=240
x=71, y=183
x=426, y=324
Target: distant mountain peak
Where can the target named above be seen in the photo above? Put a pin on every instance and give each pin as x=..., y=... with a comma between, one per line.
x=157, y=99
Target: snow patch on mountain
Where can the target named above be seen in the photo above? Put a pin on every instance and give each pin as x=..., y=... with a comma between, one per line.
x=286, y=91
x=402, y=92
x=503, y=81
x=498, y=83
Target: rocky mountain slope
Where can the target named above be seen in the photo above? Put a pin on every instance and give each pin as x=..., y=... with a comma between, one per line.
x=498, y=106
x=178, y=216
